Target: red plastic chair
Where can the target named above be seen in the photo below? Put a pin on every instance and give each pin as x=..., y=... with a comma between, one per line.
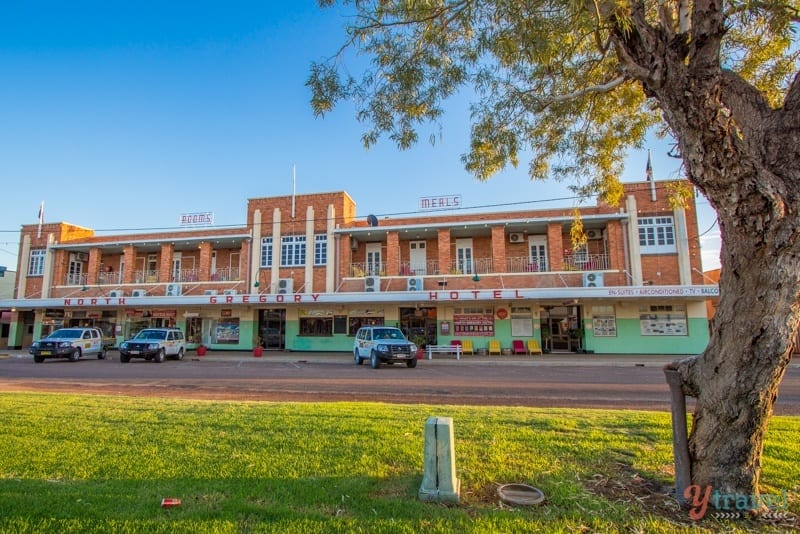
x=518, y=347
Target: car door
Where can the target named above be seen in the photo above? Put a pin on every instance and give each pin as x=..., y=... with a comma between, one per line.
x=171, y=344
x=97, y=341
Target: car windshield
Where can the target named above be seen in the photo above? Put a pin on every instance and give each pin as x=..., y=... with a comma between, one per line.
x=66, y=334
x=388, y=333
x=151, y=334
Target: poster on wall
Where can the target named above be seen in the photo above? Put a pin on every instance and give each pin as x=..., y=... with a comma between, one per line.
x=663, y=324
x=227, y=331
x=473, y=325
x=604, y=326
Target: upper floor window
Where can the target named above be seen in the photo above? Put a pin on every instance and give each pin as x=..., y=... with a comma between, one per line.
x=293, y=250
x=657, y=235
x=320, y=249
x=266, y=252
x=36, y=264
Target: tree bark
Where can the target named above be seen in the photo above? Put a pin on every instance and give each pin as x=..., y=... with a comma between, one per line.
x=744, y=157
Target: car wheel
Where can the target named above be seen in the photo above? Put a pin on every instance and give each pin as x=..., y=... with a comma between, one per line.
x=160, y=356
x=38, y=359
x=179, y=356
x=124, y=358
x=374, y=362
x=412, y=362
x=357, y=358
x=75, y=356
x=102, y=354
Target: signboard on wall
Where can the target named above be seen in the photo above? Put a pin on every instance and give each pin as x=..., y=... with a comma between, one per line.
x=204, y=218
x=439, y=202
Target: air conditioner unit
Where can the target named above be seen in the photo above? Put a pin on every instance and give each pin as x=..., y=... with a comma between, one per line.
x=228, y=291
x=592, y=279
x=116, y=293
x=173, y=290
x=210, y=292
x=594, y=234
x=285, y=286
x=516, y=237
x=139, y=293
x=81, y=256
x=372, y=283
x=414, y=284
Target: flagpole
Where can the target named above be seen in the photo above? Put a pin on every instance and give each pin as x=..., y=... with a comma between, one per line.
x=294, y=187
x=41, y=220
x=650, y=178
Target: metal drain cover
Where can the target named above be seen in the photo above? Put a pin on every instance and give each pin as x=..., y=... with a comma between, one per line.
x=520, y=494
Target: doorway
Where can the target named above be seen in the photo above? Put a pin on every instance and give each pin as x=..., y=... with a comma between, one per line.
x=562, y=329
x=272, y=328
x=419, y=322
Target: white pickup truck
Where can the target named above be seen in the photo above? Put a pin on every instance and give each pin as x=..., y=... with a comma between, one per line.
x=72, y=343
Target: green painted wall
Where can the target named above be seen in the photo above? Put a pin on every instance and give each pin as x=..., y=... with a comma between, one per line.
x=629, y=340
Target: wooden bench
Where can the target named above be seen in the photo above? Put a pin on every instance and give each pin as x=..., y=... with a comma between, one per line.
x=443, y=349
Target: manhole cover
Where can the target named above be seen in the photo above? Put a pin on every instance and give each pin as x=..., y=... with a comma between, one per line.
x=520, y=494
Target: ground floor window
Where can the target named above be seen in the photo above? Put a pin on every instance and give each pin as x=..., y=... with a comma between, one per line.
x=663, y=320
x=359, y=318
x=194, y=330
x=604, y=321
x=316, y=323
x=225, y=331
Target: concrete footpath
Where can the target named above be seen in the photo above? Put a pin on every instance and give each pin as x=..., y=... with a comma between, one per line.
x=345, y=358
x=558, y=359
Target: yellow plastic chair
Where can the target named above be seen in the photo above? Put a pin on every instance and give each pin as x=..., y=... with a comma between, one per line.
x=466, y=347
x=533, y=347
x=494, y=347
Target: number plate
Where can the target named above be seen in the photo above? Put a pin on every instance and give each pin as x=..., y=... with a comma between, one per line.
x=45, y=353
x=134, y=352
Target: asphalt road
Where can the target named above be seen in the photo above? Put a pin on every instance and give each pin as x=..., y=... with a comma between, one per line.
x=625, y=383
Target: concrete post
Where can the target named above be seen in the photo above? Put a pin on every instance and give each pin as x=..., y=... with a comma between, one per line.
x=680, y=440
x=439, y=482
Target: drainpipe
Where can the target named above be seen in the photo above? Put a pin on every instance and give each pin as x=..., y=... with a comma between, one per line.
x=680, y=441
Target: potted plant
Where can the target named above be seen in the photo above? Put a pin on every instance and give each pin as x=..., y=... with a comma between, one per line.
x=201, y=350
x=420, y=341
x=258, y=350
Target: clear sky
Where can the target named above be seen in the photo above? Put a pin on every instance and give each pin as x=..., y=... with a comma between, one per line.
x=120, y=116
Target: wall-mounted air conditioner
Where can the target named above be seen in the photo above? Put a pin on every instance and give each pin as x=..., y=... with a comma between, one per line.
x=228, y=291
x=81, y=256
x=210, y=292
x=516, y=237
x=116, y=293
x=173, y=290
x=139, y=293
x=592, y=279
x=414, y=284
x=285, y=286
x=594, y=234
x=372, y=283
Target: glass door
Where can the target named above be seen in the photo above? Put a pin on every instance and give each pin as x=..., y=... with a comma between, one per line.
x=272, y=328
x=464, y=256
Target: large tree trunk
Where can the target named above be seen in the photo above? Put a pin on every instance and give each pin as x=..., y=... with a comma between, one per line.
x=745, y=157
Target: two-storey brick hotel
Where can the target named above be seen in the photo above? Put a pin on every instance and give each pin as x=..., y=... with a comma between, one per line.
x=305, y=273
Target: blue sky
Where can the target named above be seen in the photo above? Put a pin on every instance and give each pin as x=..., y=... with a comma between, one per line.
x=120, y=116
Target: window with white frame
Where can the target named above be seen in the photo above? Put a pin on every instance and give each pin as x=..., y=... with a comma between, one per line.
x=320, y=249
x=293, y=250
x=266, y=252
x=657, y=235
x=36, y=264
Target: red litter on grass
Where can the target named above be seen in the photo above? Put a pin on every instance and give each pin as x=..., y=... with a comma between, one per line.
x=169, y=502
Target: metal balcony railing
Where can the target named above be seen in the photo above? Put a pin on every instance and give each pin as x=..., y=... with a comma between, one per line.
x=526, y=265
x=360, y=270
x=185, y=275
x=109, y=278
x=585, y=262
x=227, y=274
x=145, y=277
x=76, y=279
x=476, y=266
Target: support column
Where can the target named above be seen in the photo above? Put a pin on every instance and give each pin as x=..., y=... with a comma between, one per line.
x=392, y=253
x=255, y=259
x=555, y=247
x=633, y=241
x=444, y=251
x=332, y=261
x=275, y=273
x=499, y=249
x=129, y=264
x=308, y=286
x=682, y=243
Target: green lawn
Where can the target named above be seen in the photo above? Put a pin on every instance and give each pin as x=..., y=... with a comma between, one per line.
x=81, y=463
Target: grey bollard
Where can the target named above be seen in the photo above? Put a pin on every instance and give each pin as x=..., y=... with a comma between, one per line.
x=439, y=482
x=680, y=440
